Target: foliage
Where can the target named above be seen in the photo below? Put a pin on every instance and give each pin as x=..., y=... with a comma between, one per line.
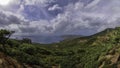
x=26, y=40
x=4, y=36
x=84, y=52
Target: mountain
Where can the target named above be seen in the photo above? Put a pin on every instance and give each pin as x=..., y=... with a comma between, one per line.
x=51, y=39
x=67, y=37
x=101, y=50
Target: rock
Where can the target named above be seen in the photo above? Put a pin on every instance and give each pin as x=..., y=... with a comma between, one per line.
x=101, y=66
x=115, y=58
x=1, y=61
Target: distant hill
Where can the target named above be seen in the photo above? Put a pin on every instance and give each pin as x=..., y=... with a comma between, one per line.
x=67, y=37
x=51, y=39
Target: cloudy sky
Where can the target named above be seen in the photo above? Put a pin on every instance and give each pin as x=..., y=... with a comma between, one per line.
x=58, y=17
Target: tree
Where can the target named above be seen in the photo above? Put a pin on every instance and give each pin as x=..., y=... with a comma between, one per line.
x=26, y=40
x=4, y=36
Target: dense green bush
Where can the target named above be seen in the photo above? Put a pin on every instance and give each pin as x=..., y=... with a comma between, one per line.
x=13, y=43
x=28, y=48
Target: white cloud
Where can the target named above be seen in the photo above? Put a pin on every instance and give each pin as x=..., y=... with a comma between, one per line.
x=94, y=3
x=76, y=18
x=37, y=2
x=54, y=7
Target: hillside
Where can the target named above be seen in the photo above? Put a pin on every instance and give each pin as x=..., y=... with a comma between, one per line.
x=101, y=50
x=8, y=62
x=68, y=37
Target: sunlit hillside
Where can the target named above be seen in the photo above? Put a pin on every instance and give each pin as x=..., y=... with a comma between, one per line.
x=101, y=50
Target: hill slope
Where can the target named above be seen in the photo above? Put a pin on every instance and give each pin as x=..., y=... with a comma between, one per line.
x=93, y=51
x=101, y=50
x=8, y=62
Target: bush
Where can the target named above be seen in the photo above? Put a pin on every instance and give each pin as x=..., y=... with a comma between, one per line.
x=13, y=43
x=26, y=40
x=29, y=49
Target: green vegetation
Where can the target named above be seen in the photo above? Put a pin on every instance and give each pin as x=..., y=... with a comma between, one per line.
x=4, y=36
x=101, y=50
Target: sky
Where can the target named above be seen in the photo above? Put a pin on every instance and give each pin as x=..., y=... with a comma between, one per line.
x=59, y=17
